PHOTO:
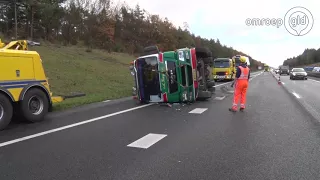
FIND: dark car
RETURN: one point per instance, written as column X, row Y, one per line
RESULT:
column 298, row 73
column 284, row 71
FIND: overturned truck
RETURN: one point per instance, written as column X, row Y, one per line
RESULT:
column 176, row 76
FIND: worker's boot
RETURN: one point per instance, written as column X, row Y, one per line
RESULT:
column 242, row 106
column 232, row 109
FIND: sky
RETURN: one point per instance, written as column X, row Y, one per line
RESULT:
column 226, row 20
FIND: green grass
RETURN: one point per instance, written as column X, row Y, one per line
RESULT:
column 98, row 74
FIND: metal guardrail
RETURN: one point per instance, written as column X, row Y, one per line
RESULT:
column 314, row 74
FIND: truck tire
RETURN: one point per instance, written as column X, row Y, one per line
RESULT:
column 35, row 105
column 203, row 52
column 6, row 111
column 150, row 50
column 207, row 60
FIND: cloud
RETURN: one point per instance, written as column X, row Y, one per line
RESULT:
column 225, row 20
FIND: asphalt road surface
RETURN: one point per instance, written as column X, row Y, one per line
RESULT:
column 305, row 91
column 275, row 138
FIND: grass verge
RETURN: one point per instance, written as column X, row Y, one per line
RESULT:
column 98, row 74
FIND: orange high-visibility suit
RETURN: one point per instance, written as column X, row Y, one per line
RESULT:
column 241, row 86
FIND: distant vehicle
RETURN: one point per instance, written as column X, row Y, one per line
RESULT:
column 276, row 71
column 298, row 73
column 316, row 69
column 308, row 69
column 284, row 70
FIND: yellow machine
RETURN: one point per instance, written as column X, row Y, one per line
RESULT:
column 223, row 69
column 266, row 67
column 24, row 87
column 1, row 44
column 18, row 45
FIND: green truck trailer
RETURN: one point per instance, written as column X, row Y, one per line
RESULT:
column 182, row 75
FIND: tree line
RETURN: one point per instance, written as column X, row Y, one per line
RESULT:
column 100, row 24
column 309, row 56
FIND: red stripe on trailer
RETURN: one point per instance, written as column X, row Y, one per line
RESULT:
column 194, row 65
column 165, row 97
column 160, row 57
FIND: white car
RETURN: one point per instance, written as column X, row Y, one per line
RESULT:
column 298, row 73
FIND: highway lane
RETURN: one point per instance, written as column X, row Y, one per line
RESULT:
column 77, row 115
column 273, row 139
column 306, row 92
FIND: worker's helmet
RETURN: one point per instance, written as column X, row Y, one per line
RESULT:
column 243, row 59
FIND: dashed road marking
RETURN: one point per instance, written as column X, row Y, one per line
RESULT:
column 296, row 95
column 147, row 141
column 313, row 80
column 70, row 126
column 220, row 98
column 198, row 110
column 106, row 101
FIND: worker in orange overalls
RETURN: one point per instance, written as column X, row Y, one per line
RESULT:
column 241, row 85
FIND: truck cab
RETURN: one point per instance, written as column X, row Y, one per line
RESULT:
column 168, row 77
column 223, row 69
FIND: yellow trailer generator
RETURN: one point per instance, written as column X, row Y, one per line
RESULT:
column 223, row 69
column 24, row 87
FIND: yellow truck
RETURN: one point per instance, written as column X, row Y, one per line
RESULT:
column 223, row 69
column 266, row 67
column 24, row 87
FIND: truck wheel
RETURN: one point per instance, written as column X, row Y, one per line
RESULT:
column 6, row 111
column 35, row 105
column 207, row 60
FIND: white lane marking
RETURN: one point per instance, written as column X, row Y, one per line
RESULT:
column 198, row 110
column 253, row 76
column 222, row 84
column 106, row 101
column 296, row 95
column 70, row 126
column 220, row 98
column 146, row 141
column 282, row 83
column 313, row 80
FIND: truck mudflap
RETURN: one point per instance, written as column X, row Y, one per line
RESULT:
column 60, row 98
